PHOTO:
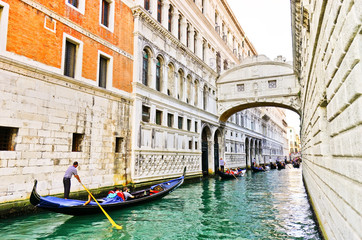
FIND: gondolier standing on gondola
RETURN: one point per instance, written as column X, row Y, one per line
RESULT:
column 222, row 164
column 72, row 170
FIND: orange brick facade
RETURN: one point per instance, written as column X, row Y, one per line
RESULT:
column 28, row 36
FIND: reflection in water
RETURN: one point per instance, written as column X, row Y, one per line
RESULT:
column 266, row 205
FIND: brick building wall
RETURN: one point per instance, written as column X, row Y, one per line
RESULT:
column 54, row 119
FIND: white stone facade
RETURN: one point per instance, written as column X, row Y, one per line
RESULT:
column 327, row 55
column 181, row 47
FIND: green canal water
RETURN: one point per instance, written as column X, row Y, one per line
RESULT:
column 266, row 205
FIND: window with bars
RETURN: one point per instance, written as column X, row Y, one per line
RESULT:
column 180, row 122
column 159, row 11
column 7, row 138
column 74, row 3
column 77, row 142
column 119, row 145
column 145, row 68
column 145, row 113
column 147, row 4
column 170, row 19
column 70, row 59
column 158, row 117
column 170, row 120
column 158, row 75
column 103, row 65
column 105, row 13
column 272, row 83
column 240, row 87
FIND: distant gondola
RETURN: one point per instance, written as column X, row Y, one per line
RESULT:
column 273, row 165
column 225, row 175
column 296, row 164
column 280, row 165
column 77, row 207
column 257, row 169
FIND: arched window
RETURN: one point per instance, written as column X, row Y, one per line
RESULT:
column 145, row 68
column 147, row 4
column 179, row 27
column 188, row 35
column 170, row 18
column 225, row 64
column 158, row 74
column 195, row 42
column 180, row 85
column 159, row 10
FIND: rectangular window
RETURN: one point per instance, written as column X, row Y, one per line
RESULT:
column 77, row 142
column 147, row 4
column 70, row 59
column 105, row 13
column 159, row 10
column 119, row 144
column 103, row 65
column 188, row 124
column 240, row 87
column 158, row 117
column 180, row 122
column 195, row 145
column 190, row 144
column 272, row 83
column 74, row 3
column 145, row 114
column 196, row 127
column 170, row 120
column 7, row 138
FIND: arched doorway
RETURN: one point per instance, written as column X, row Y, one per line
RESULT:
column 205, row 150
column 247, row 153
column 217, row 155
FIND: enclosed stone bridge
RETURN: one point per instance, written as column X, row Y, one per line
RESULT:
column 258, row 82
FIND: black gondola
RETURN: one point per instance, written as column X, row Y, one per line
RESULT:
column 281, row 165
column 77, row 207
column 225, row 175
column 296, row 164
column 257, row 169
column 273, row 165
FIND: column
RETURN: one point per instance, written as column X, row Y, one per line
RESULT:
column 152, row 74
column 183, row 30
column 164, row 82
column 191, row 40
column 199, row 45
column 153, row 8
column 174, row 22
column 164, row 9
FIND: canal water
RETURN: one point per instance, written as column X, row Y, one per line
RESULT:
column 265, row 205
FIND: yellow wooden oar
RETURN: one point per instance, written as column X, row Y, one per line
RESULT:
column 105, row 213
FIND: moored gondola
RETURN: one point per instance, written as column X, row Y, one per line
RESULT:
column 257, row 169
column 229, row 175
column 77, row 207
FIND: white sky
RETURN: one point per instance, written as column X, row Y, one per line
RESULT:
column 267, row 24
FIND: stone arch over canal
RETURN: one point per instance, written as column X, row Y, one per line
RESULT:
column 258, row 82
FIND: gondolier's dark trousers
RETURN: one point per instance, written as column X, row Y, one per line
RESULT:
column 66, row 182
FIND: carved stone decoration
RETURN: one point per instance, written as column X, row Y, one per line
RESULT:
column 161, row 164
